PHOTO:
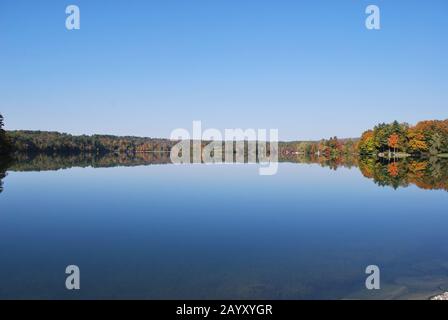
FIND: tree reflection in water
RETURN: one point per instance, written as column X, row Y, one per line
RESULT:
column 5, row 163
column 426, row 173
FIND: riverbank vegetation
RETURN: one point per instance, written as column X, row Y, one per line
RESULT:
column 397, row 140
column 400, row 139
column 328, row 148
column 55, row 142
column 5, row 146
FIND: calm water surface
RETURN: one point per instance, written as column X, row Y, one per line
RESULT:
column 219, row 231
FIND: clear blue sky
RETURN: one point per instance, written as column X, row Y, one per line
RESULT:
column 309, row 68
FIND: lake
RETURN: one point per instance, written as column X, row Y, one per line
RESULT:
column 142, row 228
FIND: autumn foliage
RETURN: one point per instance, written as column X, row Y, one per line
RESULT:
column 426, row 137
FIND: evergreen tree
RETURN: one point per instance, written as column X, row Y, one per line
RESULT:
column 4, row 145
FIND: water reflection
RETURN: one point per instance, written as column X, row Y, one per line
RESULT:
column 425, row 173
column 429, row 174
column 195, row 232
column 5, row 163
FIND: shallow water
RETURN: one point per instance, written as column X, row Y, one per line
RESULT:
column 219, row 231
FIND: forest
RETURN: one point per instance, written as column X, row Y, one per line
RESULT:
column 400, row 139
column 328, row 148
column 4, row 144
column 54, row 142
column 385, row 140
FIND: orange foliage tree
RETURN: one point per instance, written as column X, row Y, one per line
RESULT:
column 393, row 141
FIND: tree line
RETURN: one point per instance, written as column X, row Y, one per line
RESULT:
column 4, row 144
column 425, row 138
column 55, row 142
column 326, row 148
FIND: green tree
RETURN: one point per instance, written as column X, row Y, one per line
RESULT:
column 3, row 141
column 436, row 144
column 366, row 145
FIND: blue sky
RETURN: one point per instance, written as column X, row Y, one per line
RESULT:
column 309, row 68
